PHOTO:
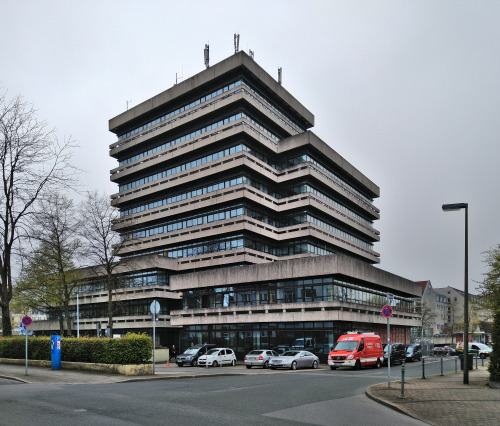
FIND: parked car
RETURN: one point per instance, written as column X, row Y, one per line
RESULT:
column 444, row 350
column 477, row 349
column 217, row 357
column 398, row 353
column 259, row 358
column 294, row 360
column 190, row 356
column 413, row 352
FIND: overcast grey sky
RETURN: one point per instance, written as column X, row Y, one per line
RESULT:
column 406, row 91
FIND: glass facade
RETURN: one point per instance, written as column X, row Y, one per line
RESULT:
column 292, row 291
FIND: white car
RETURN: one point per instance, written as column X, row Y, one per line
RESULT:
column 217, row 357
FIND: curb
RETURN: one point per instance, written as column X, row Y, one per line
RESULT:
column 17, row 379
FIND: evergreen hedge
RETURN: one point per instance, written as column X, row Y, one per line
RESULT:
column 494, row 365
column 130, row 349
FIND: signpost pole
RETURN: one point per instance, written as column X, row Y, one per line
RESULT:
column 155, row 310
column 154, row 341
column 26, row 321
column 389, row 352
column 26, row 360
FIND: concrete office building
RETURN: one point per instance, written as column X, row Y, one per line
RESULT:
column 247, row 228
column 265, row 231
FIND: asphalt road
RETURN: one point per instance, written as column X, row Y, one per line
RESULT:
column 320, row 397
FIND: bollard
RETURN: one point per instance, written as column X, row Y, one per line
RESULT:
column 476, row 363
column 402, row 380
column 456, row 360
column 423, row 368
column 442, row 366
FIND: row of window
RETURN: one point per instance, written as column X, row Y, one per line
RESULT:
column 138, row 279
column 182, row 138
column 180, row 110
column 307, row 158
column 183, row 196
column 128, row 308
column 245, row 86
column 292, row 291
column 224, row 214
column 237, row 242
column 301, row 189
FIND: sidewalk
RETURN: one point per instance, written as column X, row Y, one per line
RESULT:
column 444, row 400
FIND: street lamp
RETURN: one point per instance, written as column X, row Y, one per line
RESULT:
column 453, row 207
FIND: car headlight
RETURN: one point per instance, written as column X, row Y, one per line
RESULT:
column 350, row 357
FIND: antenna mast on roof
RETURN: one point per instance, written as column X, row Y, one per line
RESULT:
column 206, row 54
column 236, row 43
column 280, row 75
column 250, row 51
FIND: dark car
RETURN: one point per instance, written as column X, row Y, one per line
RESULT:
column 413, row 352
column 190, row 356
column 398, row 353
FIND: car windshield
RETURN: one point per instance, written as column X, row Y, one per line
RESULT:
column 255, row 352
column 346, row 346
column 213, row 351
column 290, row 353
column 190, row 351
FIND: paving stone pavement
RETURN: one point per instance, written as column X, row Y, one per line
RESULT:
column 444, row 400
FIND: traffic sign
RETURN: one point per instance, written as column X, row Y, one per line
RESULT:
column 26, row 321
column 386, row 311
column 154, row 307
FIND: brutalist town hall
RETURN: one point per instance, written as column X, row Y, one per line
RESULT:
column 248, row 229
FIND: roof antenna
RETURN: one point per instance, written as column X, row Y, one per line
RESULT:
column 177, row 78
column 280, row 75
column 236, row 43
column 250, row 51
column 206, row 54
column 129, row 102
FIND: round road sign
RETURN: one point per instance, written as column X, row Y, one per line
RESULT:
column 154, row 307
column 26, row 321
column 387, row 311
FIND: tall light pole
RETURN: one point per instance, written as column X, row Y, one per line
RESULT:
column 453, row 207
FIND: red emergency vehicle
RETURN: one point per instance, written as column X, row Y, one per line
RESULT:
column 356, row 350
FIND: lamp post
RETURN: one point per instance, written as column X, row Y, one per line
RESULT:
column 453, row 207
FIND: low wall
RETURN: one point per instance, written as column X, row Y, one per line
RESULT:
column 126, row 370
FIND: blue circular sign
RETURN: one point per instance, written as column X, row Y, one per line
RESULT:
column 26, row 321
column 387, row 311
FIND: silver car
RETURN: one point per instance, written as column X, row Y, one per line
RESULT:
column 259, row 358
column 294, row 360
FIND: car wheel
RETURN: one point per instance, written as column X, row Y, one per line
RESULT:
column 249, row 367
column 194, row 363
column 315, row 364
column 215, row 364
column 180, row 364
column 377, row 364
column 482, row 356
column 357, row 366
column 266, row 364
column 293, row 366
column 233, row 362
column 333, row 368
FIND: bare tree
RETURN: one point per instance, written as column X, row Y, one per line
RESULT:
column 101, row 244
column 428, row 318
column 31, row 161
column 49, row 277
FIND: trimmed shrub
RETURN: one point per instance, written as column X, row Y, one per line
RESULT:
column 130, row 349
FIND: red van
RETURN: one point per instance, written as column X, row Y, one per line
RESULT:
column 357, row 350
